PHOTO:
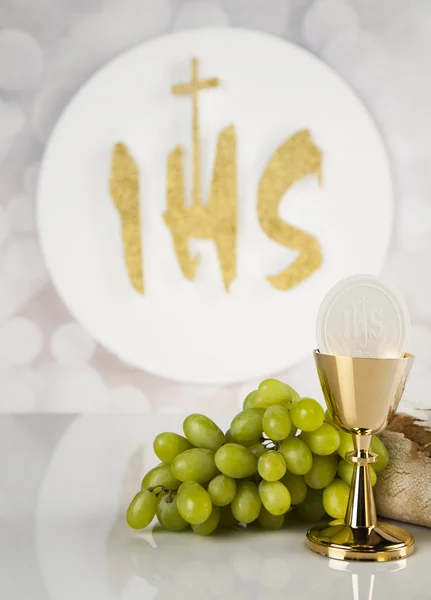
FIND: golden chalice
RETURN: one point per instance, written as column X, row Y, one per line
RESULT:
column 362, row 394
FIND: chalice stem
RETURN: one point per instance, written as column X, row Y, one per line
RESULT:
column 361, row 510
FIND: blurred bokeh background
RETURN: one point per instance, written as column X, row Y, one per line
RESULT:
column 48, row 48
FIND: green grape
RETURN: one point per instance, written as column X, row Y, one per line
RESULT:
column 328, row 418
column 276, row 422
column 236, row 461
column 246, row 427
column 275, row 497
column 295, row 395
column 141, row 510
column 228, row 437
column 345, row 472
column 335, row 499
column 196, row 464
column 271, row 466
column 274, row 391
column 322, row 441
column 378, row 447
column 252, row 400
column 227, row 520
column 346, row 444
column 312, row 508
column 258, row 449
column 269, row 521
column 246, row 504
column 167, row 445
column 193, row 503
column 296, row 486
column 297, row 455
column 222, row 490
column 322, row 472
column 202, row 432
column 210, row 525
column 168, row 515
column 307, row 414
column 160, row 475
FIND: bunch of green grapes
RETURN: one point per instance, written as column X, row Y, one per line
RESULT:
column 279, row 454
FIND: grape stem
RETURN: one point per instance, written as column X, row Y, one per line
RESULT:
column 269, row 444
column 162, row 489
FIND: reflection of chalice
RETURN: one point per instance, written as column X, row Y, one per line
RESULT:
column 362, row 395
column 363, row 577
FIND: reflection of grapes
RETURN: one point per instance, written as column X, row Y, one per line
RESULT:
column 278, row 455
column 275, row 573
column 145, row 561
column 258, row 564
column 222, row 580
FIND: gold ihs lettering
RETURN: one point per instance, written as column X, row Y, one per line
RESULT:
column 124, row 188
column 292, row 161
column 215, row 220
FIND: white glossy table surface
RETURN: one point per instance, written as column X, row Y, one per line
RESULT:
column 65, row 485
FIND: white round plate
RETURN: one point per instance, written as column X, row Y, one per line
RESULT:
column 195, row 331
column 363, row 317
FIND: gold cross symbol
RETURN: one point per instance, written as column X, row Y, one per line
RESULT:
column 193, row 88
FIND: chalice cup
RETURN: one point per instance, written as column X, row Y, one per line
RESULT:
column 361, row 394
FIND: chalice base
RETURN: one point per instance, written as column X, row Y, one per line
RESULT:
column 382, row 543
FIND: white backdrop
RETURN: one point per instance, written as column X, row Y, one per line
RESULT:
column 50, row 47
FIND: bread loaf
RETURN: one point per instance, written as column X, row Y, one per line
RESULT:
column 403, row 489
